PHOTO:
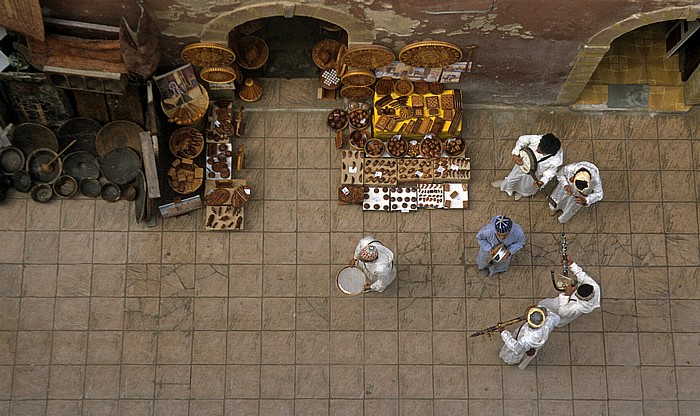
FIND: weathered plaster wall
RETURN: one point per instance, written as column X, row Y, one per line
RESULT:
column 526, row 48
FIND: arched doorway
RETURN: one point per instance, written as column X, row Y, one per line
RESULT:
column 217, row 30
column 290, row 43
column 599, row 45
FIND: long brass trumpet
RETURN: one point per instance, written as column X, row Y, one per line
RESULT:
column 488, row 331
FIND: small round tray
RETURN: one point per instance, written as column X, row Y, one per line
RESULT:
column 403, row 87
column 186, row 142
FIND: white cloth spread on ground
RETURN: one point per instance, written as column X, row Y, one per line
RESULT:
column 380, row 272
column 567, row 203
column 571, row 307
column 514, row 349
column 522, row 183
column 487, row 239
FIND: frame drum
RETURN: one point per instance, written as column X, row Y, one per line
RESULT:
column 529, row 160
column 351, row 280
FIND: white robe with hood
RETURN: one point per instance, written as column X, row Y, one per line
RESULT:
column 566, row 203
column 522, row 183
column 514, row 348
column 380, row 272
column 571, row 307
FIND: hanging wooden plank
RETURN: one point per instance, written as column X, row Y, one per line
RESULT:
column 127, row 106
column 91, row 105
column 149, row 165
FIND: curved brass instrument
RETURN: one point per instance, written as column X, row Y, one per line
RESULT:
column 562, row 281
column 488, row 331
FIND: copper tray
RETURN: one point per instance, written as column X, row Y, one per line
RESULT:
column 430, row 54
column 368, row 56
column 118, row 134
column 208, row 54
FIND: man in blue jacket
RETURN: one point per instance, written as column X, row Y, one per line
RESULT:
column 498, row 241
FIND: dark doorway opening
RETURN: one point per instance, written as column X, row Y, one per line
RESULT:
column 290, row 42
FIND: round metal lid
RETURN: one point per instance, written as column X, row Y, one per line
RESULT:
column 118, row 134
column 40, row 167
column 31, row 136
column 82, row 129
column 11, row 159
column 120, row 165
column 81, row 165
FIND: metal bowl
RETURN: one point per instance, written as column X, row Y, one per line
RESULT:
column 21, row 181
column 65, row 186
column 110, row 192
column 90, row 187
column 42, row 193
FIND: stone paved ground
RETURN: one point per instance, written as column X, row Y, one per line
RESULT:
column 99, row 315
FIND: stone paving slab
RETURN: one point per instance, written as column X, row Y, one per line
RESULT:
column 101, row 315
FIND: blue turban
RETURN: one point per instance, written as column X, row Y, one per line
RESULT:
column 503, row 224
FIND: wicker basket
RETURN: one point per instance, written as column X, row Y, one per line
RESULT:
column 253, row 53
column 325, row 53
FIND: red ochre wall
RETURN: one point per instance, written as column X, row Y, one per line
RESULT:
column 526, row 48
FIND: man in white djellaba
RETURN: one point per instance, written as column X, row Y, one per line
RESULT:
column 529, row 338
column 549, row 156
column 576, row 300
column 376, row 261
column 579, row 186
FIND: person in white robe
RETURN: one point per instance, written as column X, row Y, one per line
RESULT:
column 376, row 261
column 500, row 229
column 549, row 155
column 576, row 300
column 522, row 347
column 579, row 186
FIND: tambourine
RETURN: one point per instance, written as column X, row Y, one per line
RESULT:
column 351, row 280
column 499, row 254
column 529, row 160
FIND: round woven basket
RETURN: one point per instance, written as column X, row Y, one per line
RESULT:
column 325, row 53
column 253, row 53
